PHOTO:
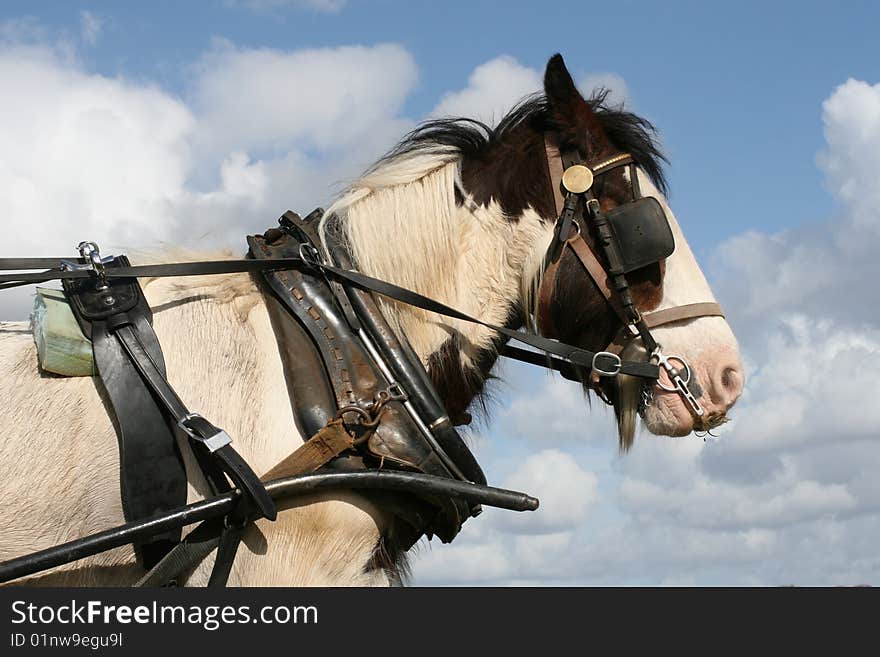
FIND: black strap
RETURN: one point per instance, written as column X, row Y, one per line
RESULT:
column 151, row 473
column 576, row 355
column 152, row 476
column 144, row 271
column 227, row 548
column 186, row 555
column 197, row 427
column 566, row 369
column 37, row 263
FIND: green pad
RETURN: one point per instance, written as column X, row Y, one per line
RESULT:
column 61, row 346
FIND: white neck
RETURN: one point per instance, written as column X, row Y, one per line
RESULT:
column 404, row 226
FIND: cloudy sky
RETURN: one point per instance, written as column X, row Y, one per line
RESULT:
column 205, row 122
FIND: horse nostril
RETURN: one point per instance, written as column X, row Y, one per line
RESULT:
column 731, row 383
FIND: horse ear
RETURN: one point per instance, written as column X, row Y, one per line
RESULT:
column 570, row 115
column 558, row 85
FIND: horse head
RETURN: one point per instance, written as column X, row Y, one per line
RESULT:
column 585, row 317
column 466, row 214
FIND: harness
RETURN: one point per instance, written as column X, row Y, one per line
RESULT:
column 357, row 388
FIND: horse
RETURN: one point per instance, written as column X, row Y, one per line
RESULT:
column 458, row 211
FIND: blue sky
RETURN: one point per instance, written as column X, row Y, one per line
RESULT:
column 770, row 116
column 734, row 87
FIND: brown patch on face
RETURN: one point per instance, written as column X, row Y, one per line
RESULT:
column 513, row 173
column 578, row 308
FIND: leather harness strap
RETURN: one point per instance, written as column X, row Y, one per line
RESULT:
column 554, row 169
column 597, row 272
column 545, row 298
column 666, row 316
column 328, row 443
column 679, row 313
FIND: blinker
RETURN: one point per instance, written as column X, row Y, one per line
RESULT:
column 642, row 232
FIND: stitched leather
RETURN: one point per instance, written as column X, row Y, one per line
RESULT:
column 152, row 475
column 352, row 377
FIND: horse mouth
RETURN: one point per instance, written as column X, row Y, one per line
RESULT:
column 711, row 421
column 701, row 424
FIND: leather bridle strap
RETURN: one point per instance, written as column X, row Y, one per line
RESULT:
column 680, row 313
column 577, row 180
column 575, row 355
column 554, row 170
column 666, row 316
column 597, row 272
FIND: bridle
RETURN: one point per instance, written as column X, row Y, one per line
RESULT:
column 631, row 236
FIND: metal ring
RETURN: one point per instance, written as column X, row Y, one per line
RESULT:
column 352, row 409
column 309, row 254
column 92, row 255
column 686, row 370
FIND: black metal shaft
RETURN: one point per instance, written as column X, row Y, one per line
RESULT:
column 278, row 489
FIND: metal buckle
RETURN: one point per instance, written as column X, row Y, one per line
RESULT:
column 213, row 443
column 616, row 364
column 90, row 252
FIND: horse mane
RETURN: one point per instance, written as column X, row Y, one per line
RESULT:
column 438, row 142
column 471, row 138
column 414, row 197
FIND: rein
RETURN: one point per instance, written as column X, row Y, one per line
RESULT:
column 60, row 269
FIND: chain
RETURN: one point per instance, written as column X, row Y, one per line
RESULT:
column 371, row 413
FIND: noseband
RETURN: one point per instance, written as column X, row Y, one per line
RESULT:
column 631, row 236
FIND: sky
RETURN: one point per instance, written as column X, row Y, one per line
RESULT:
column 199, row 122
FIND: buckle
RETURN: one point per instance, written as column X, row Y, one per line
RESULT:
column 213, row 443
column 310, row 255
column 94, row 262
column 615, row 364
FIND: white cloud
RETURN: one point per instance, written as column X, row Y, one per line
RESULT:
column 90, row 27
column 821, row 270
column 129, row 165
column 327, row 99
column 566, row 491
column 493, row 88
column 553, row 411
column 83, row 155
column 852, row 131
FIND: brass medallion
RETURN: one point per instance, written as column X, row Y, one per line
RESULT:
column 577, row 179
